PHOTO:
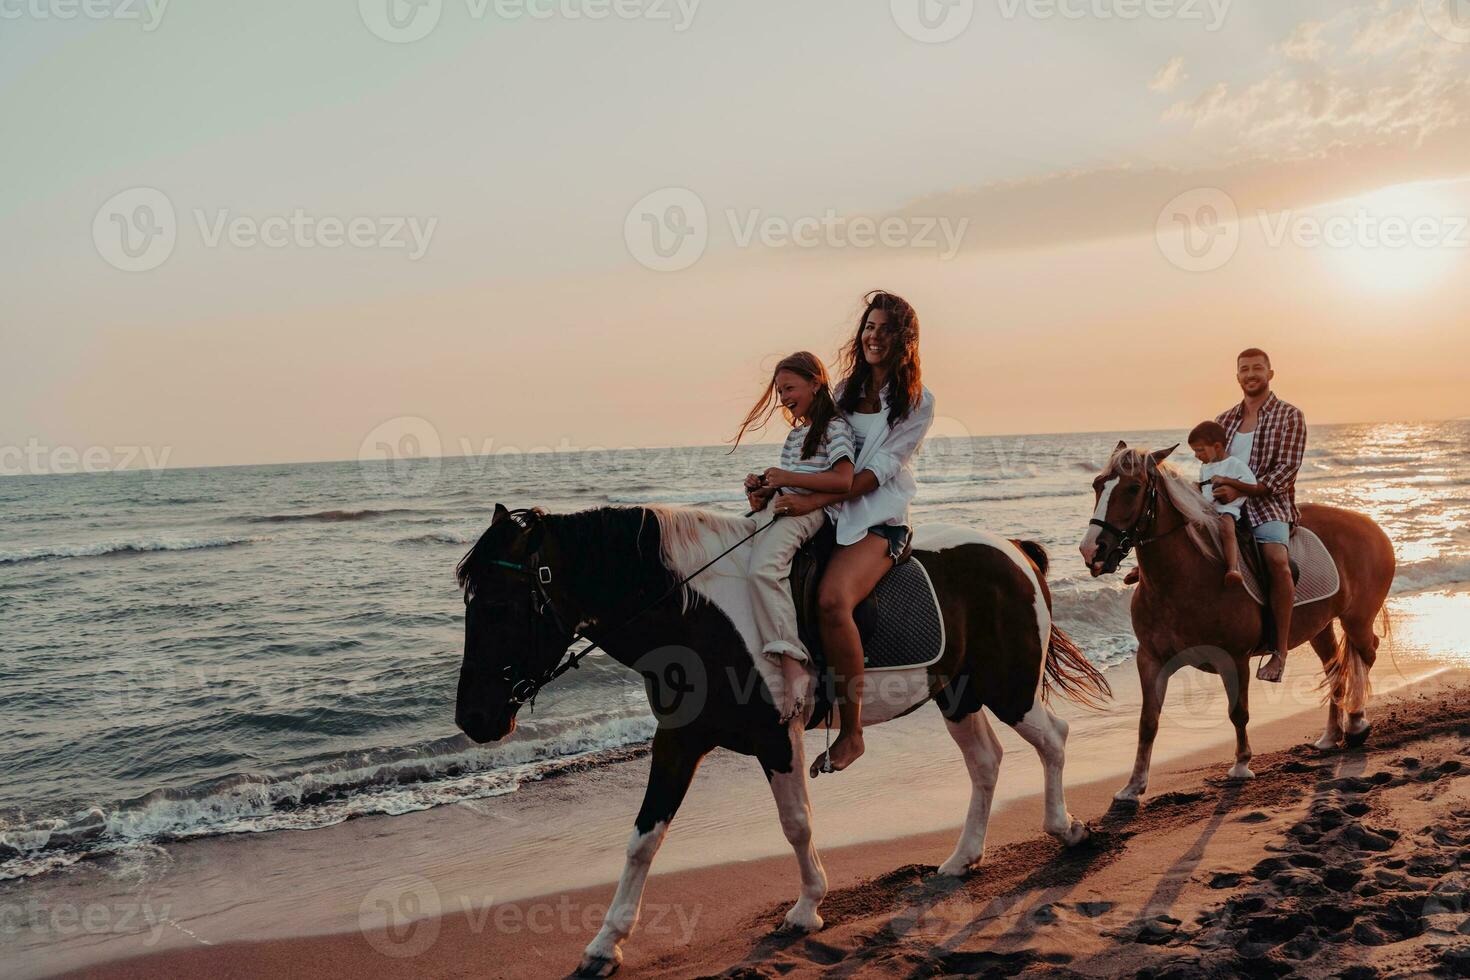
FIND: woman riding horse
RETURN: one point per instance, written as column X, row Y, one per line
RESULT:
column 890, row 411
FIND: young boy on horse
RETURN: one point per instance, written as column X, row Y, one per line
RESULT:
column 1208, row 441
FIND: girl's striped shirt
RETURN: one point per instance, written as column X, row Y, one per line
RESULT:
column 838, row 443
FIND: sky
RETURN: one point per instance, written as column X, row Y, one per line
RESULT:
column 278, row 231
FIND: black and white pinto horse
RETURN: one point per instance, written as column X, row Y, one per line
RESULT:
column 533, row 580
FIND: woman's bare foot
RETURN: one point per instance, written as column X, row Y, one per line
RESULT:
column 843, row 753
column 1272, row 669
column 1233, row 577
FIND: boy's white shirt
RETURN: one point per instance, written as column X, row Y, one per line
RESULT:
column 1234, row 468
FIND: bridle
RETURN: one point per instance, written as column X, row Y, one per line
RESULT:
column 1126, row 540
column 542, row 611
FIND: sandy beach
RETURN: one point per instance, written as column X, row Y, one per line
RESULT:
column 1327, row 861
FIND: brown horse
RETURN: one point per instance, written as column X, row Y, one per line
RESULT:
column 1185, row 615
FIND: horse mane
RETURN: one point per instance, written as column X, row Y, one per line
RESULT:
column 1202, row 524
column 687, row 539
column 690, row 537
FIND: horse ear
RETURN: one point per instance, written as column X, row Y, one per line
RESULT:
column 1120, row 446
column 500, row 514
column 1162, row 454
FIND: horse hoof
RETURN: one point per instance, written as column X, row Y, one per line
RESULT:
column 1355, row 740
column 954, row 868
column 1128, row 794
column 798, row 921
column 1325, row 744
column 1076, row 834
column 1240, row 771
column 600, row 966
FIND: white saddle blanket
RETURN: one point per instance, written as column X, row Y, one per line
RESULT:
column 1319, row 579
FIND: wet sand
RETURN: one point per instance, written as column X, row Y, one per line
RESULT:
column 1325, row 860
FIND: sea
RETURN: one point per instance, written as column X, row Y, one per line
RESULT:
column 197, row 652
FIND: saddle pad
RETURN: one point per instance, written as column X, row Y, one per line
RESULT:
column 1319, row 579
column 909, row 630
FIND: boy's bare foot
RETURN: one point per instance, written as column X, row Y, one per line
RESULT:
column 1233, row 577
column 1272, row 669
column 844, row 752
column 1131, row 578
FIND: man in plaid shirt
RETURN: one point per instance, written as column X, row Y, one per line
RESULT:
column 1271, row 437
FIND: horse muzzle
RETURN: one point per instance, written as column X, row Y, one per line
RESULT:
column 483, row 725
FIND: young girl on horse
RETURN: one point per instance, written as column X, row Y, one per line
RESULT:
column 817, row 458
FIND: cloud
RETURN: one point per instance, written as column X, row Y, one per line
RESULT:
column 1169, row 76
column 1305, row 42
column 1396, row 80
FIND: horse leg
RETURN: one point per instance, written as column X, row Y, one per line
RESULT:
column 982, row 752
column 789, row 789
column 673, row 764
column 1325, row 643
column 1154, row 683
column 1240, row 715
column 1361, row 650
column 1048, row 735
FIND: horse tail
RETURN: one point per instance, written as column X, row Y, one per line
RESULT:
column 1070, row 673
column 1346, row 676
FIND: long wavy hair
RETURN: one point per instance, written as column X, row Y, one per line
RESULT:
column 819, row 416
column 904, row 387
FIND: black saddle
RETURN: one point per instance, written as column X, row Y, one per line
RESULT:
column 806, row 575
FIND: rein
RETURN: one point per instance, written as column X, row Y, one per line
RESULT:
column 524, row 691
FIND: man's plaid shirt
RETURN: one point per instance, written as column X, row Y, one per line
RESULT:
column 1276, row 455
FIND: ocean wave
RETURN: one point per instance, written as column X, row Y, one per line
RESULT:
column 444, row 537
column 680, row 497
column 448, row 770
column 329, row 516
column 96, row 549
column 1431, row 574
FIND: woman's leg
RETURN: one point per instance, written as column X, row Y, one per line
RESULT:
column 853, row 573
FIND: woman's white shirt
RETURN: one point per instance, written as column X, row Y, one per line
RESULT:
column 887, row 451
